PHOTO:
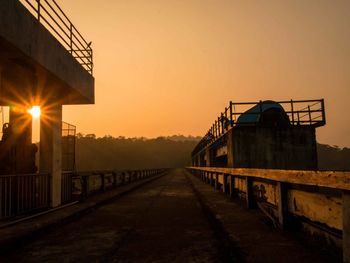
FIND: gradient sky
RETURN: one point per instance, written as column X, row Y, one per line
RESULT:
column 166, row 67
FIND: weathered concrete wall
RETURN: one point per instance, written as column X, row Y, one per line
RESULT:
column 283, row 148
column 319, row 212
column 29, row 51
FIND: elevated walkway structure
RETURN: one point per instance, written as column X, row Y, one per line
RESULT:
column 42, row 54
column 44, row 61
column 264, row 134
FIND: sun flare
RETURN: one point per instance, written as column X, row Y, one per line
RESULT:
column 35, row 111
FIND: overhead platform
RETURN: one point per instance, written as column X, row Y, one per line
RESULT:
column 36, row 66
column 44, row 61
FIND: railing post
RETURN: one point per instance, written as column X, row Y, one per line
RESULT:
column 346, row 226
column 48, row 187
column 292, row 110
column 232, row 185
column 282, row 204
column 123, row 178
column 216, row 185
column 222, row 123
column 310, row 119
column 114, row 174
column 211, row 179
column 224, row 183
column 249, row 192
column 103, row 184
column 323, row 112
column 85, row 186
column 231, row 122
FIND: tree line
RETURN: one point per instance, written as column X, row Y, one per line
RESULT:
column 109, row 152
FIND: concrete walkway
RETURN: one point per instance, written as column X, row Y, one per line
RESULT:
column 176, row 218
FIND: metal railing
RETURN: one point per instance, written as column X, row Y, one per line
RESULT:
column 66, row 187
column 52, row 17
column 68, row 147
column 320, row 199
column 23, row 193
column 298, row 113
column 26, row 193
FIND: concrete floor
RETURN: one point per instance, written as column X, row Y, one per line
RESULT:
column 160, row 222
column 176, row 218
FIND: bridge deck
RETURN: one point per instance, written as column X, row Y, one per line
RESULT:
column 169, row 220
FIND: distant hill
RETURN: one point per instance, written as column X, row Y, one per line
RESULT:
column 108, row 152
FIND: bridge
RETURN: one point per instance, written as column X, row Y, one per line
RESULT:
column 252, row 193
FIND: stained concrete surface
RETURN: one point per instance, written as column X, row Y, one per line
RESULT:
column 254, row 235
column 160, row 222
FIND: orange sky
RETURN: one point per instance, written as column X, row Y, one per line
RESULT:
column 166, row 67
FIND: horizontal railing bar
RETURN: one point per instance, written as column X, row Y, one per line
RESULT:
column 295, row 111
column 283, row 101
column 55, row 30
column 16, row 175
column 68, row 27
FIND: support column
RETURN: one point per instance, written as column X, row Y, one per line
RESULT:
column 51, row 149
column 346, row 226
column 224, row 184
column 249, row 192
column 232, row 185
column 282, row 204
column 208, row 157
column 230, row 149
column 216, row 184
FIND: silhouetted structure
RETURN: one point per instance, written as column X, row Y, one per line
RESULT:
column 264, row 134
column 44, row 61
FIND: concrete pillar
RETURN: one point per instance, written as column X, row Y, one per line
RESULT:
column 216, row 184
column 208, row 157
column 51, row 149
column 282, row 204
column 346, row 226
column 230, row 149
column 232, row 185
column 224, row 184
column 249, row 192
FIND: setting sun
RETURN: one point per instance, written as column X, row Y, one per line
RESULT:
column 35, row 111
